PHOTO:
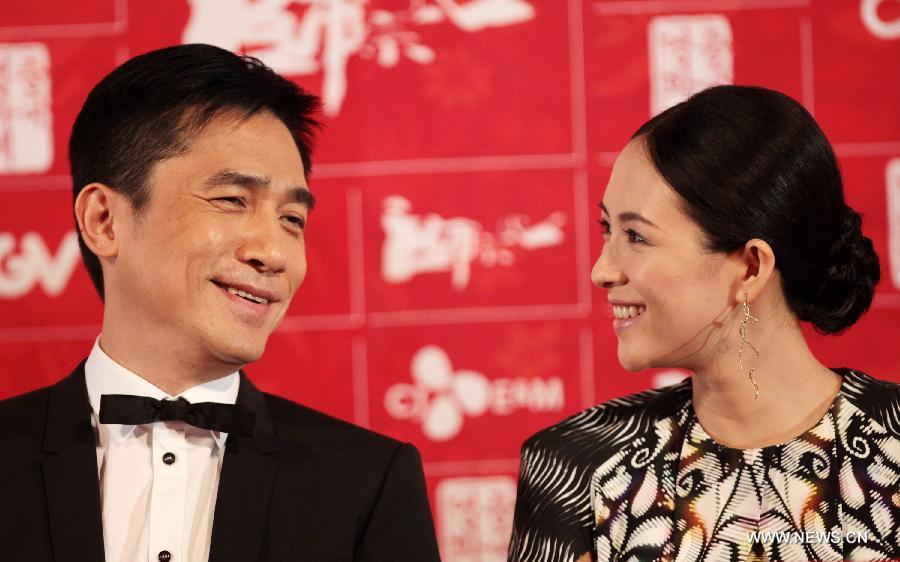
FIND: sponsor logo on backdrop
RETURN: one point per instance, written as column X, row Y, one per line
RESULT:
column 893, row 210
column 441, row 397
column 474, row 518
column 879, row 27
column 35, row 265
column 26, row 119
column 417, row 244
column 688, row 54
column 300, row 37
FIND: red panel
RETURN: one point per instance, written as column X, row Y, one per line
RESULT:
column 856, row 90
column 312, row 368
column 42, row 281
column 470, row 240
column 29, row 364
column 33, row 14
column 327, row 287
column 76, row 64
column 459, row 401
column 619, row 51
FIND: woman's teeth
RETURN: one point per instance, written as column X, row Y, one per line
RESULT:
column 628, row 311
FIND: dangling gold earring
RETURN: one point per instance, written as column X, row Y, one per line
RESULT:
column 744, row 321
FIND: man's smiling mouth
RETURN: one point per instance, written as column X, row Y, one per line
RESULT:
column 246, row 295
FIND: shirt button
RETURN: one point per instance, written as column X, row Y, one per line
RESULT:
column 168, row 458
column 164, row 555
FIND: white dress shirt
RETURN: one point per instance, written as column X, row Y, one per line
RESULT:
column 151, row 505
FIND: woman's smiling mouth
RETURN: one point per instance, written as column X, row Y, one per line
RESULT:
column 626, row 315
column 628, row 311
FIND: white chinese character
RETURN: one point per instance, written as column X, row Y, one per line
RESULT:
column 26, row 120
column 415, row 244
column 475, row 517
column 300, row 37
column 688, row 54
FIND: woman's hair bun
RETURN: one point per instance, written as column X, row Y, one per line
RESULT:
column 748, row 163
column 848, row 285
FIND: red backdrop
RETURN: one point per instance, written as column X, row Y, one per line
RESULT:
column 468, row 142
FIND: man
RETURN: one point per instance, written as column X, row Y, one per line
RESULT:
column 189, row 167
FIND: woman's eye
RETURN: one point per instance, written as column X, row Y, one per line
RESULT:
column 604, row 226
column 634, row 237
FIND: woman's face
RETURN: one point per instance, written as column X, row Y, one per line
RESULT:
column 671, row 298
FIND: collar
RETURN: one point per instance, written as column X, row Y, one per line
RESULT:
column 103, row 375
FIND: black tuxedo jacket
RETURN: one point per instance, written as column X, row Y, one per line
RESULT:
column 305, row 487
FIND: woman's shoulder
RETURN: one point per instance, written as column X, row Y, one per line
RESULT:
column 878, row 399
column 608, row 424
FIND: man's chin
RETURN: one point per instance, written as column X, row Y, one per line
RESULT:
column 239, row 355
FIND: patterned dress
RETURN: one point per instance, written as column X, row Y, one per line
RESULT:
column 638, row 479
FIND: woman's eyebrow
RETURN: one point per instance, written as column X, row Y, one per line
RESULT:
column 630, row 216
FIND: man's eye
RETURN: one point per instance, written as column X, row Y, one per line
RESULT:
column 634, row 237
column 231, row 200
column 295, row 220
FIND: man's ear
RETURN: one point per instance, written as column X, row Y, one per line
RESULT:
column 96, row 208
column 758, row 262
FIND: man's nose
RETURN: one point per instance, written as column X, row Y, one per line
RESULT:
column 263, row 244
column 606, row 274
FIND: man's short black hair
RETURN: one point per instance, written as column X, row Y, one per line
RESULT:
column 149, row 108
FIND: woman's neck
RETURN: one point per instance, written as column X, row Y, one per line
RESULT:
column 795, row 390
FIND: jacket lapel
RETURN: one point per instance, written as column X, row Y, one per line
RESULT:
column 245, row 485
column 70, row 473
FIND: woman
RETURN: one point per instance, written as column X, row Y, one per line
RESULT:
column 725, row 226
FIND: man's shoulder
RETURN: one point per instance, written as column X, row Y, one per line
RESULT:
column 325, row 434
column 597, row 430
column 26, row 402
column 22, row 417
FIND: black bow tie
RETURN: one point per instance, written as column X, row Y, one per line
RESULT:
column 137, row 410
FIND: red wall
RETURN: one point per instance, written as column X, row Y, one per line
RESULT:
column 468, row 142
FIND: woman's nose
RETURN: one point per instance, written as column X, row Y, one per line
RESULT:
column 604, row 273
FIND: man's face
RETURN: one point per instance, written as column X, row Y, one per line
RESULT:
column 212, row 261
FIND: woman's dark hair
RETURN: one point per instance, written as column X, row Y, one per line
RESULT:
column 149, row 108
column 752, row 163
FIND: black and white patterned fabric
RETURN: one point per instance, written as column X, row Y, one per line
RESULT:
column 638, row 479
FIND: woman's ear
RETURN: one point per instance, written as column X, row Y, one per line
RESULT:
column 95, row 211
column 758, row 262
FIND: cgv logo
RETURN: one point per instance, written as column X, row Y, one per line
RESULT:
column 878, row 26
column 441, row 398
column 35, row 265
